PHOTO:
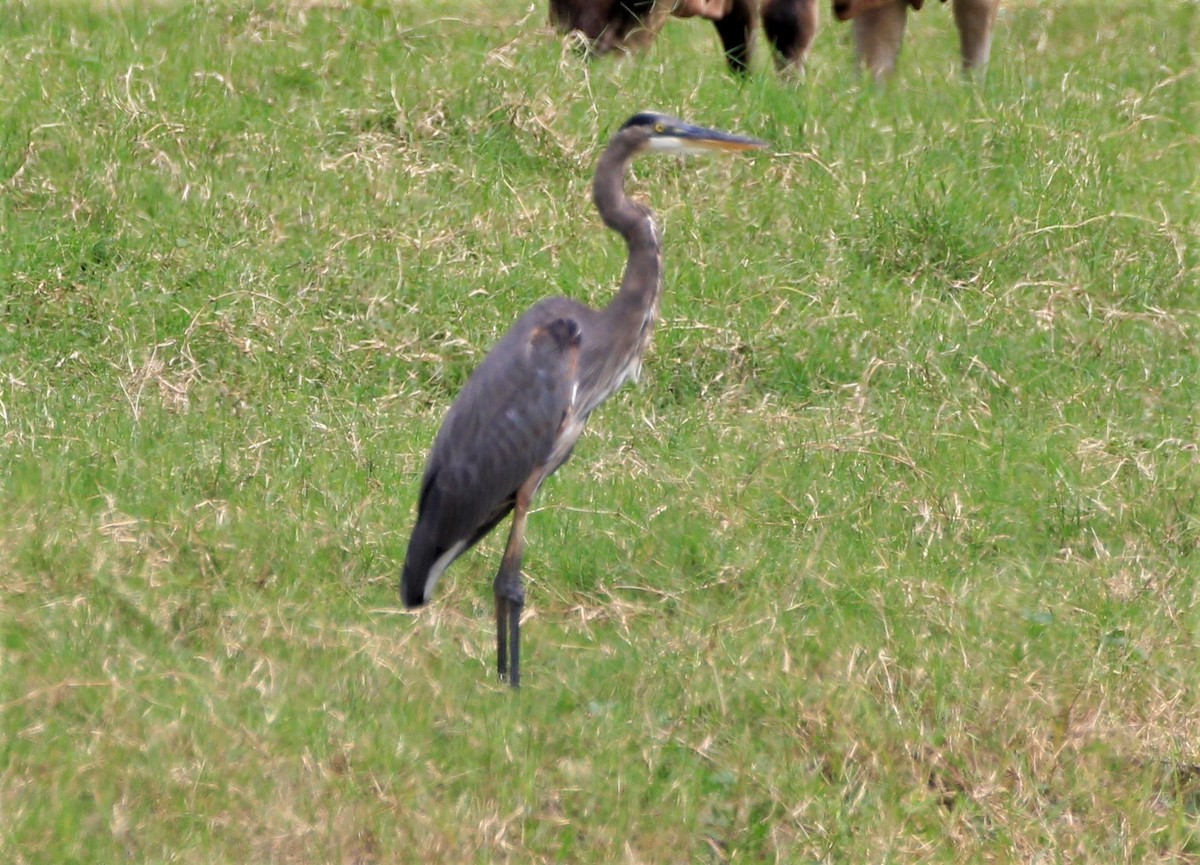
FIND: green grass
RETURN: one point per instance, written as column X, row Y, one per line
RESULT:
column 892, row 557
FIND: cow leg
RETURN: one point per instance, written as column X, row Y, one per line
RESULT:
column 791, row 25
column 877, row 37
column 976, row 20
column 736, row 30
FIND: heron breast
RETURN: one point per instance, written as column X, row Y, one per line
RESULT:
column 632, row 371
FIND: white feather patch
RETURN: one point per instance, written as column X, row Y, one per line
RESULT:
column 439, row 568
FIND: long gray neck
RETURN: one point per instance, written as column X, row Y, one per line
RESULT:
column 642, row 282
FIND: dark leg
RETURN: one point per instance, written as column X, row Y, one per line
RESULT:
column 510, row 590
column 736, row 30
column 510, row 599
column 501, row 634
column 791, row 26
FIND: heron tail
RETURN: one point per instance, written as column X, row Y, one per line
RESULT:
column 412, row 588
column 427, row 558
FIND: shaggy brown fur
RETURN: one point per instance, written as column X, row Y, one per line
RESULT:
column 618, row 25
column 790, row 26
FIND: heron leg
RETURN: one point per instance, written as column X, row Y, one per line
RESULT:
column 509, row 589
column 501, row 635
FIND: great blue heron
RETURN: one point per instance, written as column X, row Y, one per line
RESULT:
column 520, row 413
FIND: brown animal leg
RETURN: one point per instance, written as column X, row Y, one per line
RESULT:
column 976, row 20
column 791, row 25
column 844, row 10
column 736, row 30
column 877, row 37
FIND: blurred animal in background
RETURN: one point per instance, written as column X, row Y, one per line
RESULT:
column 621, row 25
column 790, row 25
column 879, row 29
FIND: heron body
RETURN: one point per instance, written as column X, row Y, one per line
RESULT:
column 523, row 408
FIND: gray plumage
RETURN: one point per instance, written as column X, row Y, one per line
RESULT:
column 523, row 408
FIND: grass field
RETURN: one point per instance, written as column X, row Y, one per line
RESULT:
column 893, row 556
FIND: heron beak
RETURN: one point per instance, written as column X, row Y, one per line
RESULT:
column 685, row 138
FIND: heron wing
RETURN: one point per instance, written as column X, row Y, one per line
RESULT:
column 500, row 430
column 504, row 424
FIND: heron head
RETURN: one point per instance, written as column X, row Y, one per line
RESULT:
column 664, row 134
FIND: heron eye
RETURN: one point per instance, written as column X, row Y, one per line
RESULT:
column 660, row 127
